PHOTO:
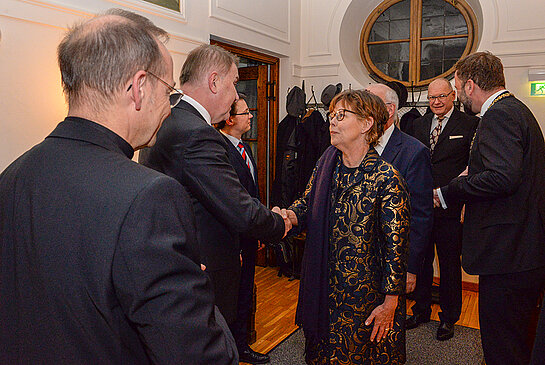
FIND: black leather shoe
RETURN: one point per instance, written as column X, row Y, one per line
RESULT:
column 445, row 331
column 415, row 320
column 251, row 357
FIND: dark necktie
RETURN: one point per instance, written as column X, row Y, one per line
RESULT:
column 244, row 155
column 434, row 136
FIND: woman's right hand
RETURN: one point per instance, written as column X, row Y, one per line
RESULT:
column 383, row 318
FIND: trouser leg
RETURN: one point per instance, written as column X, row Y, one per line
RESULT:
column 507, row 303
column 448, row 240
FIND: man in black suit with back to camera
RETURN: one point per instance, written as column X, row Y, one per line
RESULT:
column 504, row 193
column 242, row 159
column 447, row 132
column 98, row 254
column 189, row 149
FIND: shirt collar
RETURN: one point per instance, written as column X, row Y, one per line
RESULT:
column 201, row 109
column 86, row 130
column 383, row 140
column 490, row 100
column 234, row 140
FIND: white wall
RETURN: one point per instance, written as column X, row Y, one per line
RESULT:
column 31, row 100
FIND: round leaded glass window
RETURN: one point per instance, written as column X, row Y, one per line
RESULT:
column 416, row 41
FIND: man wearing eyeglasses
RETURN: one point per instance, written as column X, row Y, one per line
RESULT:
column 99, row 259
column 412, row 159
column 189, row 149
column 447, row 132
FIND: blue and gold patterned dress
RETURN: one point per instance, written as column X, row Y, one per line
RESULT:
column 367, row 259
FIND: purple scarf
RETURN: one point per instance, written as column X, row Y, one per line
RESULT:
column 312, row 307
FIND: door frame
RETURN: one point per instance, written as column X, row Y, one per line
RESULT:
column 272, row 96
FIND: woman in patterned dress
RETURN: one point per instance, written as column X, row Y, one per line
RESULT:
column 356, row 211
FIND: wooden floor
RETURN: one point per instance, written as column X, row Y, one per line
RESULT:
column 277, row 300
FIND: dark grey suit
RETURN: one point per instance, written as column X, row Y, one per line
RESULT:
column 248, row 247
column 504, row 235
column 99, row 258
column 195, row 154
column 448, row 160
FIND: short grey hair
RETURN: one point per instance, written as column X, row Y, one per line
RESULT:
column 391, row 96
column 203, row 60
column 102, row 54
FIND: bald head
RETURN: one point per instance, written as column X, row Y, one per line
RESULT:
column 441, row 97
column 98, row 57
column 389, row 97
column 440, row 83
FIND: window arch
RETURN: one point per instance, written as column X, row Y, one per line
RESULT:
column 417, row 41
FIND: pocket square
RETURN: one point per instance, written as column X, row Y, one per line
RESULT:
column 455, row 137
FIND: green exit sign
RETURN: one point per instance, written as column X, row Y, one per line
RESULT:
column 537, row 88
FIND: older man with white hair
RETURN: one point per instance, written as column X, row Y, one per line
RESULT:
column 412, row 159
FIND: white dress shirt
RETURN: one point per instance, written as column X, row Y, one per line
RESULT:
column 383, row 140
column 195, row 104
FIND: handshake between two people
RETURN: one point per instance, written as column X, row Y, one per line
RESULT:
column 290, row 219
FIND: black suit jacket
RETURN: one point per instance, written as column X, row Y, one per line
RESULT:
column 242, row 170
column 412, row 159
column 195, row 154
column 98, row 259
column 504, row 193
column 246, row 179
column 451, row 154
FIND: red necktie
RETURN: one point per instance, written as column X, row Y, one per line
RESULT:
column 243, row 153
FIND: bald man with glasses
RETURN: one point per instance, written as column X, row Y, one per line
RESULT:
column 447, row 132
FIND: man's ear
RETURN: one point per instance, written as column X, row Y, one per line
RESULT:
column 135, row 90
column 469, row 87
column 229, row 121
column 391, row 110
column 213, row 80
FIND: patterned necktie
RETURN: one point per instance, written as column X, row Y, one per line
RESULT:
column 434, row 136
column 243, row 153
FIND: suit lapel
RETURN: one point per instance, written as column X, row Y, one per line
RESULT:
column 238, row 157
column 426, row 129
column 393, row 146
column 452, row 124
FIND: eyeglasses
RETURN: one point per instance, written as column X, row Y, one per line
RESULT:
column 173, row 91
column 245, row 113
column 441, row 97
column 339, row 115
column 176, row 100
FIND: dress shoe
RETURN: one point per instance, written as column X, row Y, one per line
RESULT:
column 251, row 357
column 445, row 331
column 415, row 320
